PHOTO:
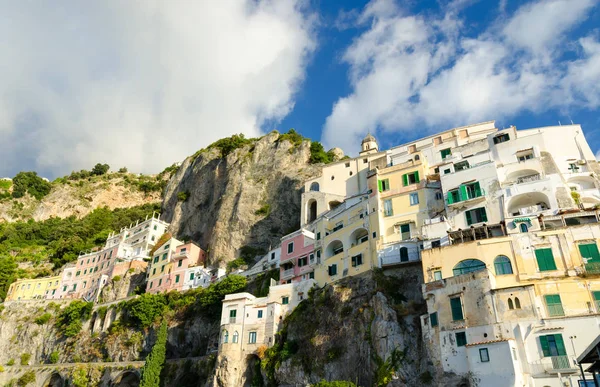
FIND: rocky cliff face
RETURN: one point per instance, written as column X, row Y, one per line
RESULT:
column 251, row 197
column 78, row 198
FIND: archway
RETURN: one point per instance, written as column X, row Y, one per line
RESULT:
column 528, row 203
column 54, row 380
column 335, row 247
column 312, row 210
column 314, row 187
column 468, row 266
column 333, row 204
column 523, row 176
column 127, row 379
column 358, row 236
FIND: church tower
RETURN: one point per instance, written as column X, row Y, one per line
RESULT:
column 369, row 145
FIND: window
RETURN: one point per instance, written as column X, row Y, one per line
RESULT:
column 191, row 276
column 554, row 305
column 153, row 271
column 437, row 275
column 251, row 337
column 332, row 270
column 235, row 337
column 384, row 185
column 177, row 279
column 589, row 253
column 180, row 263
column 225, row 337
column 471, row 191
column 290, row 248
column 388, row 209
column 596, row 296
column 517, row 303
column 156, row 259
column 477, row 215
column 260, row 314
column 410, row 178
column 510, row 304
column 468, row 266
column 453, row 196
column 456, row 306
column 414, row 198
column 461, row 166
column 523, row 227
column 338, row 249
column 162, row 269
column 77, row 274
column 164, row 256
column 318, row 238
column 446, row 152
column 553, row 345
column 502, row 265
column 365, row 161
column 363, row 239
column 357, row 260
column 484, row 356
column 501, row 138
column 338, row 226
column 311, row 275
column 439, row 196
column 272, row 256
column 302, row 261
column 85, row 272
column 447, row 171
column 525, row 156
column 160, row 282
column 437, row 243
column 151, row 284
column 405, row 231
column 65, row 288
column 285, row 300
column 167, row 247
column 232, row 316
column 403, row 254
column 461, row 339
column 433, row 319
column 545, row 259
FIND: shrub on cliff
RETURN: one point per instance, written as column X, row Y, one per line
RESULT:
column 155, row 360
column 27, row 378
column 318, row 154
column 335, row 383
column 30, row 182
column 100, row 169
column 144, row 310
column 229, row 144
column 70, row 320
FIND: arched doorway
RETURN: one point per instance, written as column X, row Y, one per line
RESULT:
column 127, row 379
column 55, row 380
column 312, row 210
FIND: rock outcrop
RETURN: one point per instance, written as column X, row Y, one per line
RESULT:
column 251, row 197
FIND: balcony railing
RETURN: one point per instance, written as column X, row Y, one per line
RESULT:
column 232, row 320
column 288, row 273
column 528, row 179
column 553, row 364
column 471, row 194
column 592, row 268
column 561, row 363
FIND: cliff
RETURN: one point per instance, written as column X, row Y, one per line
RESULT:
column 249, row 197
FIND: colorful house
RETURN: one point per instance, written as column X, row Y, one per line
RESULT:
column 33, row 289
column 297, row 253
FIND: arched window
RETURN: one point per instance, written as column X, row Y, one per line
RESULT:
column 517, row 303
column 225, row 337
column 468, row 266
column 510, row 304
column 417, row 158
column 314, row 187
column 403, row 254
column 502, row 265
column 235, row 337
column 523, row 227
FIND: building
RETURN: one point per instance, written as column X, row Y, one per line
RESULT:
column 34, row 289
column 159, row 278
column 269, row 261
column 297, row 252
column 186, row 258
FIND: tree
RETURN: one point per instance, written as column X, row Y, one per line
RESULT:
column 30, row 182
column 70, row 319
column 155, row 360
column 318, row 154
column 144, row 310
column 123, row 170
column 7, row 274
column 100, row 169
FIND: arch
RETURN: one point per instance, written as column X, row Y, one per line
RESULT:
column 582, row 182
column 333, row 204
column 517, row 303
column 335, row 247
column 358, row 236
column 510, row 304
column 54, row 380
column 468, row 266
column 312, row 210
column 417, row 157
column 515, row 176
column 128, row 378
column 225, row 336
column 314, row 187
column 528, row 203
column 523, row 227
column 502, row 265
column 235, row 337
column 403, row 254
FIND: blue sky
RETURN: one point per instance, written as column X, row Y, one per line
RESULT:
column 144, row 84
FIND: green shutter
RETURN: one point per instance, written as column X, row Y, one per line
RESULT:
column 417, row 176
column 596, row 295
column 379, row 185
column 433, row 317
column 477, row 189
column 456, row 307
column 469, row 219
column 560, row 345
column 545, row 259
column 463, row 192
column 544, row 345
column 590, row 251
column 483, row 214
column 450, row 197
column 405, row 180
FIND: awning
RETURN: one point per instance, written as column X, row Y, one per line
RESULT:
column 521, row 220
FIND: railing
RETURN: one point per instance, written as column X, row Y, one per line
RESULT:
column 471, row 194
column 561, row 362
column 232, row 320
column 528, row 179
column 553, row 364
column 288, row 273
column 592, row 268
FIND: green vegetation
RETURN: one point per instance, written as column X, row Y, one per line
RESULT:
column 80, row 377
column 100, row 169
column 247, row 256
column 43, row 319
column 229, row 144
column 30, row 182
column 318, row 154
column 143, row 311
column 8, row 269
column 386, row 369
column 25, row 357
column 10, row 362
column 183, row 196
column 4, row 189
column 70, row 319
column 335, row 383
column 54, row 357
column 264, row 210
column 116, row 278
column 27, row 378
column 155, row 360
column 123, row 170
column 293, row 137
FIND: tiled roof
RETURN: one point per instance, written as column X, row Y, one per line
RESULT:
column 486, row 342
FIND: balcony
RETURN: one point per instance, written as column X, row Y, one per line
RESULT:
column 289, row 273
column 232, row 320
column 467, row 196
column 553, row 365
column 592, row 268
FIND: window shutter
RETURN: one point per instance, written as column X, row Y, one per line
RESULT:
column 463, row 192
column 405, row 180
column 544, row 345
column 560, row 345
column 353, row 261
column 456, row 307
column 379, row 185
column 450, row 197
column 477, row 188
column 469, row 219
column 417, row 176
column 483, row 214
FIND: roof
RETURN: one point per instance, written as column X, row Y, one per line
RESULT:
column 590, row 354
column 486, row 342
column 368, row 138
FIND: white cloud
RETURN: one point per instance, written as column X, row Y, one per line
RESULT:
column 421, row 73
column 142, row 84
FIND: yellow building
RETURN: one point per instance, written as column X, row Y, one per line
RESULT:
column 344, row 245
column 530, row 301
column 30, row 289
column 403, row 198
column 161, row 266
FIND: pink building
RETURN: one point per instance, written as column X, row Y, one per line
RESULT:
column 186, row 256
column 297, row 252
column 168, row 266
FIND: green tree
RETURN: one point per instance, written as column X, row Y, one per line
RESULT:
column 70, row 320
column 54, row 357
column 318, row 154
column 26, row 379
column 100, row 169
column 144, row 310
column 8, row 268
column 155, row 360
column 30, row 182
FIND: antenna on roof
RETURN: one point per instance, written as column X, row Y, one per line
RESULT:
column 572, row 122
column 559, row 123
